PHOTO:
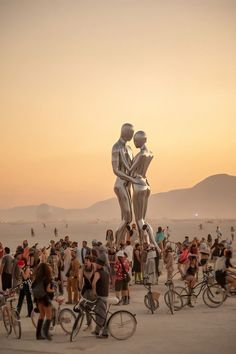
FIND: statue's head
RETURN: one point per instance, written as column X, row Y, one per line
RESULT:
column 140, row 138
column 127, row 131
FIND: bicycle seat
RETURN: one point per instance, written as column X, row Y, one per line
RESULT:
column 112, row 300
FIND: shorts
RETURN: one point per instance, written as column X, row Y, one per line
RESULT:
column 121, row 285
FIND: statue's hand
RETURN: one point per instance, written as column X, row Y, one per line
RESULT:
column 140, row 180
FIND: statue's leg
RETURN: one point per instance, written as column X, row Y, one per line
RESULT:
column 151, row 234
column 138, row 203
column 145, row 205
column 122, row 193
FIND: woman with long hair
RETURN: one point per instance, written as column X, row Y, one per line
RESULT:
column 43, row 292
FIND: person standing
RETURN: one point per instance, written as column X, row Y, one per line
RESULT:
column 73, row 279
column 25, row 290
column 85, row 251
column 26, row 250
column 6, row 269
column 150, row 268
column 43, row 278
column 169, row 262
column 121, row 267
column 100, row 290
column 137, row 264
column 85, row 284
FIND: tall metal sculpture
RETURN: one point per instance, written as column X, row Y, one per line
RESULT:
column 129, row 171
column 141, row 187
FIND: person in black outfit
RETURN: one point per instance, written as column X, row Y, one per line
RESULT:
column 85, row 284
column 6, row 269
column 44, row 276
column 25, row 288
column 100, row 290
column 85, row 251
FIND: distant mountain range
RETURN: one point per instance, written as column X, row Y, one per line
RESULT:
column 214, row 197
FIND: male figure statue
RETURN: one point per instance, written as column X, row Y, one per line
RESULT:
column 121, row 162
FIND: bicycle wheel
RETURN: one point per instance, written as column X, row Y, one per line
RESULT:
column 170, row 301
column 66, row 320
column 183, row 292
column 34, row 317
column 213, row 296
column 122, row 325
column 150, row 303
column 16, row 323
column 6, row 316
column 173, row 300
column 77, row 325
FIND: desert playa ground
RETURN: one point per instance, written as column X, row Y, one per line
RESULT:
column 191, row 330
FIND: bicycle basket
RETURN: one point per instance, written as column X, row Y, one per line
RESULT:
column 155, row 295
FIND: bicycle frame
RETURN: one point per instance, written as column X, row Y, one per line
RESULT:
column 82, row 307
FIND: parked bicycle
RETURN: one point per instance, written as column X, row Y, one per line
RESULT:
column 120, row 324
column 212, row 294
column 10, row 316
column 64, row 317
column 151, row 298
column 172, row 298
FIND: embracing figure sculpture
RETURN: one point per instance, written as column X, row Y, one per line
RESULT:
column 129, row 171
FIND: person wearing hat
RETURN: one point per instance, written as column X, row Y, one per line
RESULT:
column 100, row 290
column 121, row 267
column 204, row 254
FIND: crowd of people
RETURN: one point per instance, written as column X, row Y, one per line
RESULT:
column 93, row 271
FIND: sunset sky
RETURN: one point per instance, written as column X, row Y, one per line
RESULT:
column 72, row 72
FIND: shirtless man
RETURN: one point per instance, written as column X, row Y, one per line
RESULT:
column 121, row 162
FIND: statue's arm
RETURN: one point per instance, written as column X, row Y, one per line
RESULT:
column 115, row 166
column 124, row 160
column 137, row 160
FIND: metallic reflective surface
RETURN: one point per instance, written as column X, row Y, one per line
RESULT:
column 121, row 162
column 129, row 171
column 142, row 191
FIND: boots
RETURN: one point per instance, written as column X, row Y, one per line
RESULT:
column 46, row 329
column 125, row 300
column 38, row 329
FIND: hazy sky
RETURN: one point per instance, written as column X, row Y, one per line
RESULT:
column 72, row 72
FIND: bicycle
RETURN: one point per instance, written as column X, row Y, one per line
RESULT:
column 64, row 317
column 11, row 318
column 120, row 324
column 172, row 299
column 151, row 298
column 212, row 294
